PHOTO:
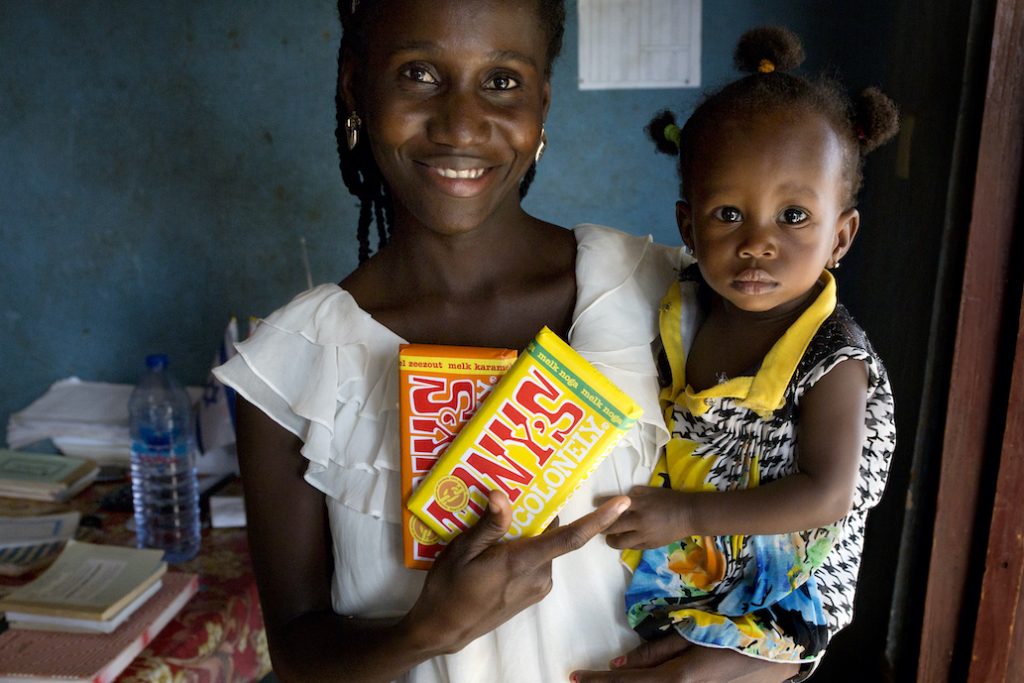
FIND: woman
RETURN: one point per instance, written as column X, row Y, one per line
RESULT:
column 442, row 103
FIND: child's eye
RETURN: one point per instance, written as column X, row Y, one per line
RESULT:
column 502, row 82
column 728, row 214
column 420, row 74
column 793, row 216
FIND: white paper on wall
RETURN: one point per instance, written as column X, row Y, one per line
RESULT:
column 639, row 44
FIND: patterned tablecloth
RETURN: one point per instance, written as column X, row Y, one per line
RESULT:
column 218, row 636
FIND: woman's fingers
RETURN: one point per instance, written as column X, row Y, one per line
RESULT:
column 489, row 530
column 542, row 549
column 496, row 580
column 642, row 664
column 652, row 653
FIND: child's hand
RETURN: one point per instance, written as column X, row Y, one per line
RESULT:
column 656, row 517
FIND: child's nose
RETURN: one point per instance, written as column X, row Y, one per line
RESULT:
column 459, row 120
column 757, row 240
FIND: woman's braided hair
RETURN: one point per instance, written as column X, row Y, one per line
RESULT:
column 359, row 170
column 864, row 123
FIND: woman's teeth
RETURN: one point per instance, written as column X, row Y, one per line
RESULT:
column 469, row 173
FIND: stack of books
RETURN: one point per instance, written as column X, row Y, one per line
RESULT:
column 43, row 476
column 90, row 613
column 89, row 588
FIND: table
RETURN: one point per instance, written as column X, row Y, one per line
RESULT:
column 219, row 635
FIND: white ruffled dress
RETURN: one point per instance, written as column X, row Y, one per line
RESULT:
column 328, row 372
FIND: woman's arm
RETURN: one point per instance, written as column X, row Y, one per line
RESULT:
column 830, row 435
column 289, row 539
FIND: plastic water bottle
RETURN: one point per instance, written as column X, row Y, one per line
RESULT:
column 165, row 493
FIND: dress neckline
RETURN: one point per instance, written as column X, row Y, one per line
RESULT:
column 401, row 340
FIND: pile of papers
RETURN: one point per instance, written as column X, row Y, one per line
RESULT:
column 43, row 476
column 88, row 419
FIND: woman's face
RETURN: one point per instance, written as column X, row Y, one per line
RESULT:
column 453, row 95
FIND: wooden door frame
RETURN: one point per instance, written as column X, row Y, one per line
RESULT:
column 971, row 411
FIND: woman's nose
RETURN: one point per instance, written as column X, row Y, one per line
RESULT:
column 460, row 119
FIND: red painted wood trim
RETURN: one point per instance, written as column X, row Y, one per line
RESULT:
column 995, row 633
column 997, row 183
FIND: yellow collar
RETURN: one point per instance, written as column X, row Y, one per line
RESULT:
column 765, row 392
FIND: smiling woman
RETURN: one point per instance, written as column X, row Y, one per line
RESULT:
column 425, row 80
column 454, row 109
column 441, row 109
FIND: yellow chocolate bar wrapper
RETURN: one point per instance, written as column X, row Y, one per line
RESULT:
column 542, row 430
column 441, row 388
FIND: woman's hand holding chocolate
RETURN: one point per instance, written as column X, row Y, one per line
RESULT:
column 480, row 582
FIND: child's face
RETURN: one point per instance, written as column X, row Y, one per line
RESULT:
column 765, row 209
column 453, row 96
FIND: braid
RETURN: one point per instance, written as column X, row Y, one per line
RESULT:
column 524, row 184
column 766, row 54
column 359, row 169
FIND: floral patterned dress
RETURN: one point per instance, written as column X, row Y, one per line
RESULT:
column 777, row 597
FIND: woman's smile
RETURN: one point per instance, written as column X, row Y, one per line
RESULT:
column 458, row 178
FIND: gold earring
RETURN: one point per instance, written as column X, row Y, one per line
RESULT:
column 352, row 124
column 542, row 145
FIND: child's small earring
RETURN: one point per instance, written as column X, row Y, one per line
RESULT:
column 542, row 145
column 835, row 265
column 352, row 124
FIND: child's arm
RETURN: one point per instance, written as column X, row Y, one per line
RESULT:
column 830, row 435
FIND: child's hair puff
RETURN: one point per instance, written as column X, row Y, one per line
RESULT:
column 877, row 119
column 777, row 45
column 660, row 130
column 768, row 55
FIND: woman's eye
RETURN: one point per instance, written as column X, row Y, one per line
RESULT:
column 502, row 82
column 419, row 74
column 728, row 214
column 793, row 216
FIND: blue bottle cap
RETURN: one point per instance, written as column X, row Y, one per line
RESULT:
column 156, row 361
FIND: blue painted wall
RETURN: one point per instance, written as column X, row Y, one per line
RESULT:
column 160, row 162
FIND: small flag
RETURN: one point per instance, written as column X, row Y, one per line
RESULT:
column 216, row 423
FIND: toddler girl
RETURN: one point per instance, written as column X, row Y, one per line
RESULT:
column 780, row 412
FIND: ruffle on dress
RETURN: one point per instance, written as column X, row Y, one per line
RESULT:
column 326, row 371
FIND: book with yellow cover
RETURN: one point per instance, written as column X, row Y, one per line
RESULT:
column 441, row 387
column 44, row 476
column 543, row 429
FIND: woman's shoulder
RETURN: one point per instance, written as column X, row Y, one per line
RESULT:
column 603, row 242
column 620, row 279
column 327, row 314
column 609, row 257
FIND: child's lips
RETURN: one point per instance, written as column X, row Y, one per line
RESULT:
column 754, row 281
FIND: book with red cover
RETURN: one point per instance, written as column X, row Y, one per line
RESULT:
column 38, row 656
